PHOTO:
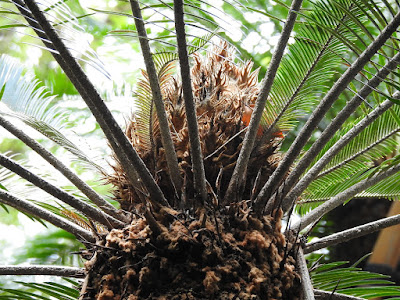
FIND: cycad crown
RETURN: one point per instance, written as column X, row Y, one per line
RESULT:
column 237, row 253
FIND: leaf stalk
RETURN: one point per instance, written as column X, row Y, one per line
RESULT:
column 190, row 106
column 251, row 134
column 166, row 139
column 129, row 158
column 63, row 169
column 37, row 211
column 62, row 271
column 332, row 128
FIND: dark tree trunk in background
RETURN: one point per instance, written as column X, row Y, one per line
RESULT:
column 354, row 213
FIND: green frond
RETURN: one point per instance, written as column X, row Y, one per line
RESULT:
column 42, row 291
column 357, row 160
column 145, row 112
column 388, row 188
column 203, row 21
column 71, row 214
column 34, row 106
column 352, row 281
column 308, row 66
column 320, row 52
column 10, row 182
column 145, row 115
column 52, row 247
column 64, row 21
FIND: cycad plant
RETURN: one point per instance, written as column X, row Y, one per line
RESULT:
column 201, row 183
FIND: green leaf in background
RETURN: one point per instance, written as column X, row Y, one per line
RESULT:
column 51, row 247
column 335, row 276
column 2, row 91
column 34, row 106
column 44, row 291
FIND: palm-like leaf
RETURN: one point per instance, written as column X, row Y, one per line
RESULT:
column 9, row 182
column 47, row 291
column 62, row 18
column 304, row 71
column 351, row 164
column 35, row 107
column 328, row 34
column 338, row 278
column 360, row 43
column 41, row 249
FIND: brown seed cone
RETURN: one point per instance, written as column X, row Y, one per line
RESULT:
column 224, row 93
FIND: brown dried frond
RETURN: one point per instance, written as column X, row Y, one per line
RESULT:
column 81, row 221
